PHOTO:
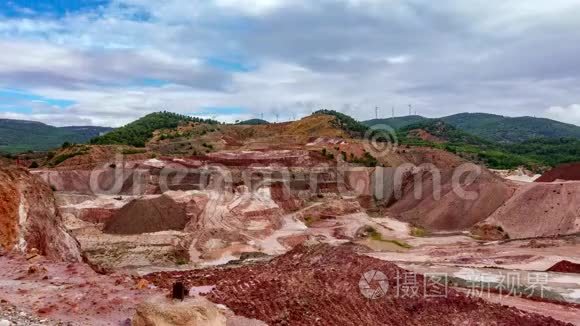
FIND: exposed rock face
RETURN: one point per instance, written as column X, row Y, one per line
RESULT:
column 30, row 219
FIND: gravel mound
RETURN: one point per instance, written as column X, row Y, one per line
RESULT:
column 452, row 211
column 321, row 285
column 540, row 210
column 148, row 215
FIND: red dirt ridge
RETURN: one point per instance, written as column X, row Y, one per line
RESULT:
column 562, row 172
column 319, row 285
column 565, row 266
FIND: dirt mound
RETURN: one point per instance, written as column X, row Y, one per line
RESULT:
column 29, row 217
column 565, row 266
column 148, row 215
column 457, row 208
column 321, row 285
column 562, row 172
column 540, row 209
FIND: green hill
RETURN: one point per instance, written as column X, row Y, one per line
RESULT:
column 532, row 153
column 396, row 122
column 138, row 132
column 346, row 122
column 18, row 136
column 511, row 130
column 253, row 122
column 495, row 127
column 444, row 131
column 471, row 147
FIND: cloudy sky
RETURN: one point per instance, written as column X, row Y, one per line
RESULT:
column 107, row 62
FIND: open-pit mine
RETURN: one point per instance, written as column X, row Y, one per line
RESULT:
column 296, row 223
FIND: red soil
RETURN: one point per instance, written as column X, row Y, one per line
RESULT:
column 148, row 215
column 565, row 266
column 452, row 211
column 562, row 172
column 540, row 210
column 319, row 285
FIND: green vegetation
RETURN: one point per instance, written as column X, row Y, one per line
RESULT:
column 511, row 130
column 446, row 132
column 63, row 157
column 346, row 122
column 71, row 151
column 533, row 154
column 367, row 160
column 548, row 151
column 253, row 122
column 491, row 127
column 19, row 136
column 138, row 132
column 130, row 151
column 397, row 122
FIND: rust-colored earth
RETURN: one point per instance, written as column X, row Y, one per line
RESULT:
column 563, row 172
column 565, row 266
column 319, row 285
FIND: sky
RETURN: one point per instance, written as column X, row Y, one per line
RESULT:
column 108, row 62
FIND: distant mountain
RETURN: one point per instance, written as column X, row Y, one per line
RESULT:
column 88, row 132
column 253, row 122
column 494, row 127
column 18, row 136
column 396, row 122
column 510, row 130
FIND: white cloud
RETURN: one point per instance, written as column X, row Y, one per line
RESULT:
column 569, row 114
column 514, row 58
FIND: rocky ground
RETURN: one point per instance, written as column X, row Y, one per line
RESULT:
column 10, row 315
